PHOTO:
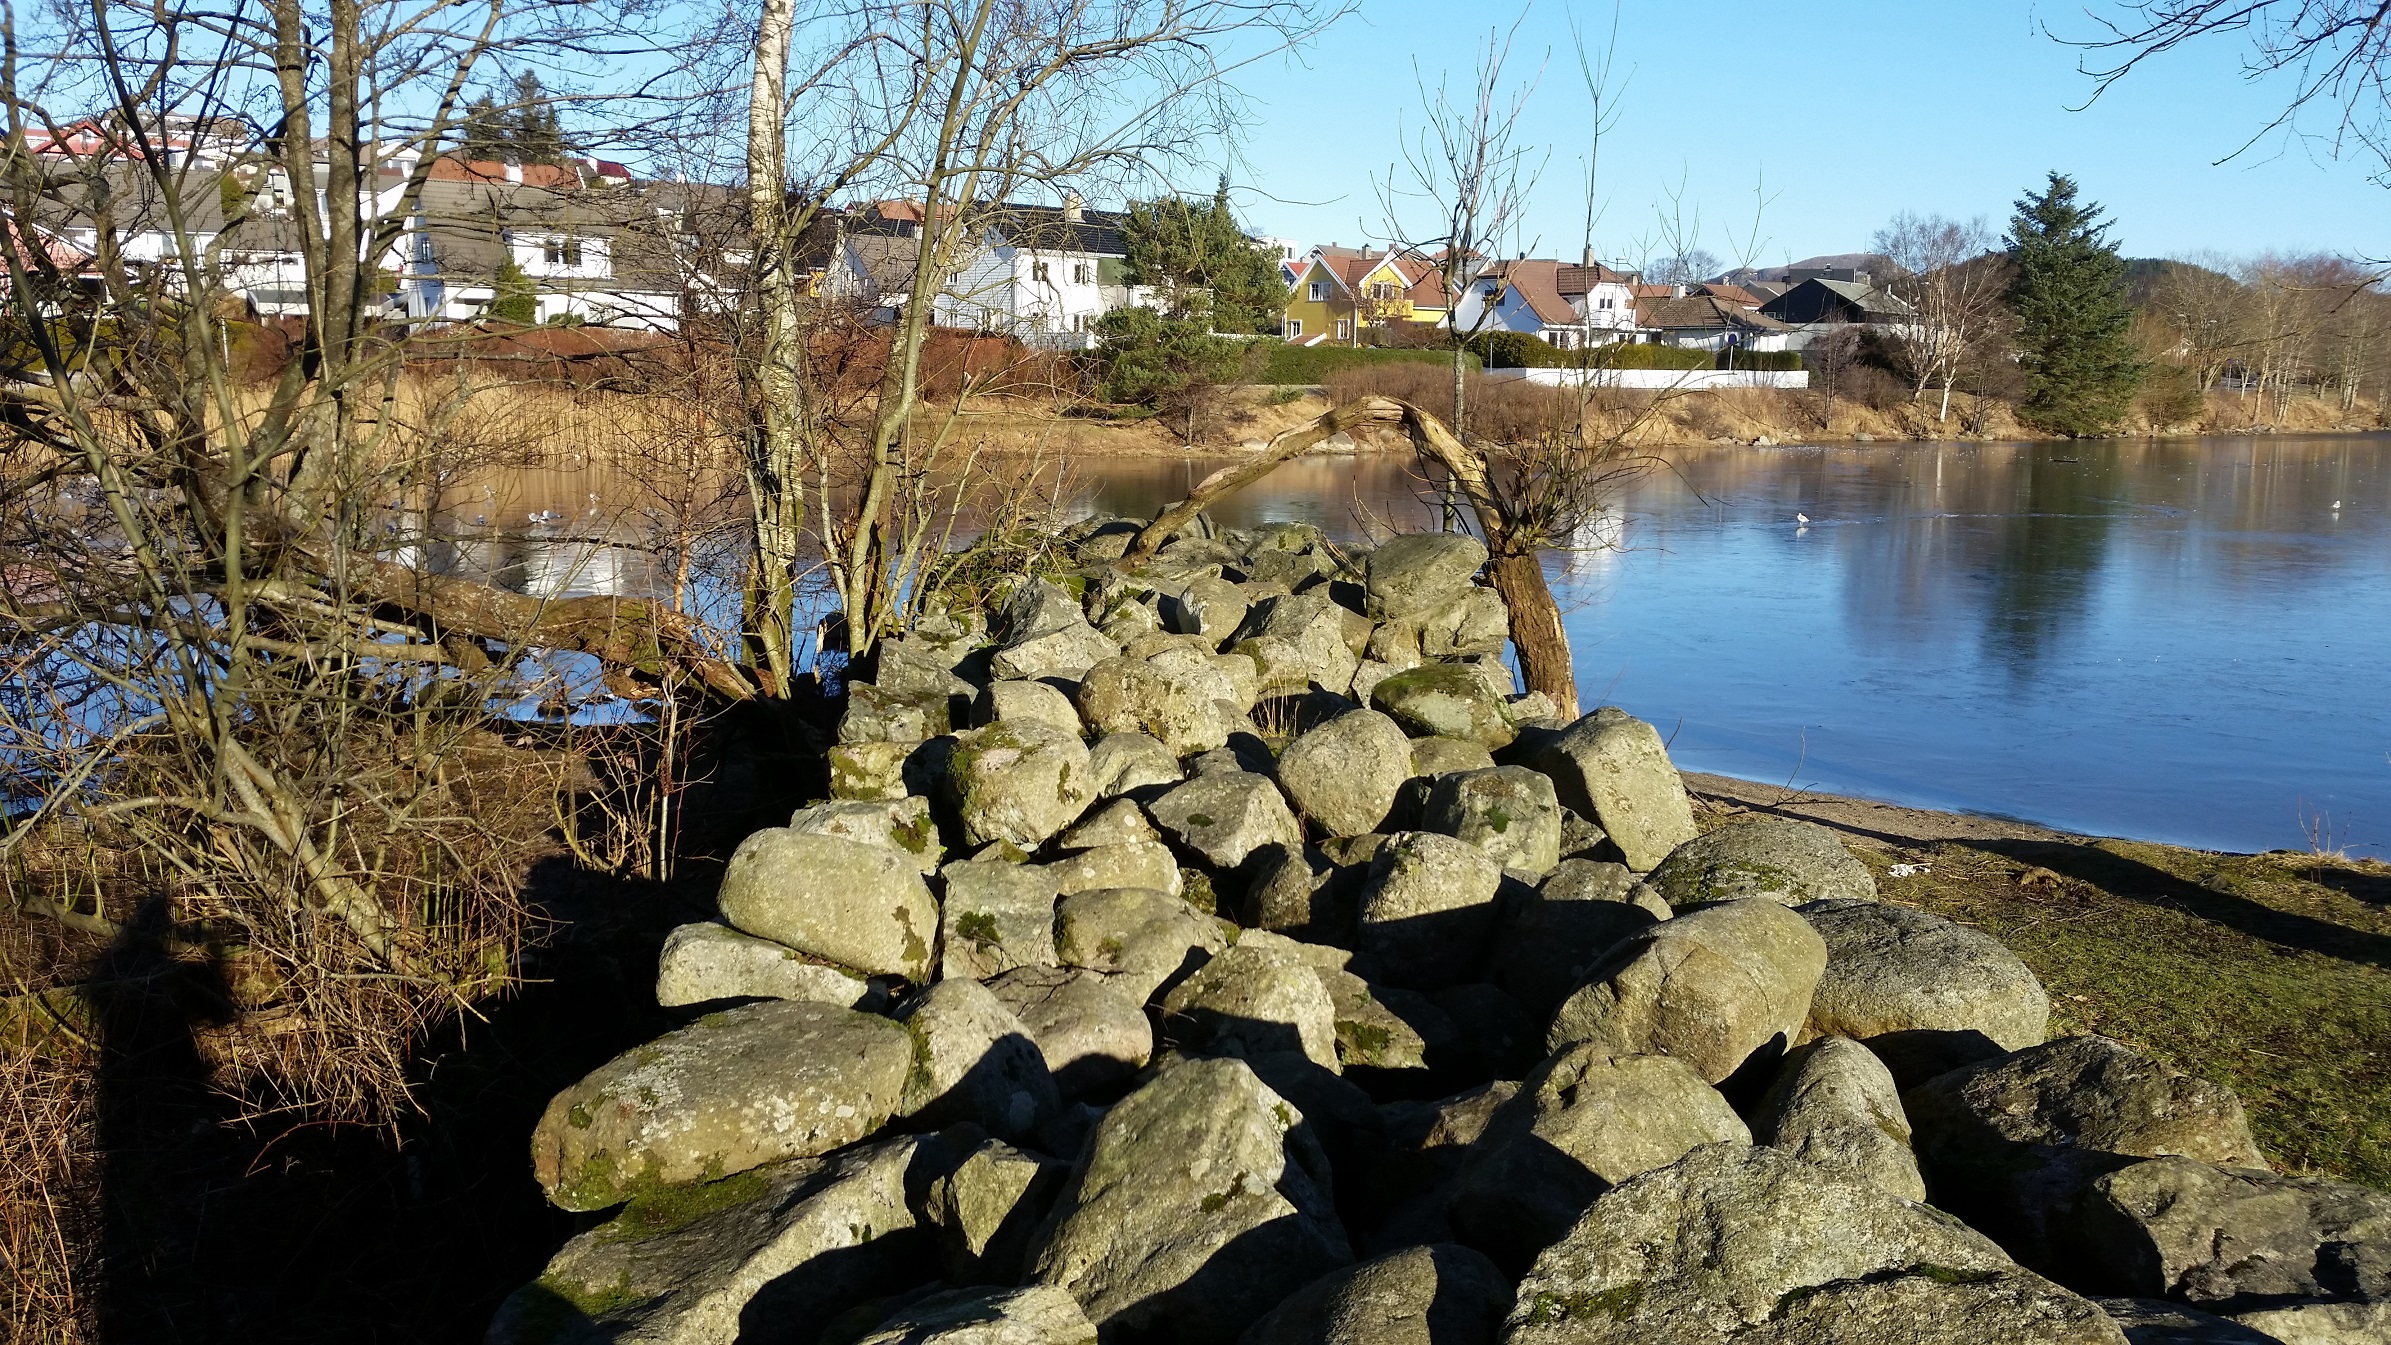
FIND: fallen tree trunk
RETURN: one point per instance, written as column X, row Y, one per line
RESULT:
column 1514, row 565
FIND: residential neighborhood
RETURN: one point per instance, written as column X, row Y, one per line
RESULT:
column 582, row 240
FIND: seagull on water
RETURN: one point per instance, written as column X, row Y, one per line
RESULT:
column 2336, row 506
column 1801, row 518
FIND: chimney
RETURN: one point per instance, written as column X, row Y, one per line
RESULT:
column 1676, row 291
column 514, row 172
column 1075, row 209
column 1588, row 261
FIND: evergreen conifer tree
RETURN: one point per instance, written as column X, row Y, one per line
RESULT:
column 1204, row 264
column 484, row 136
column 2073, row 318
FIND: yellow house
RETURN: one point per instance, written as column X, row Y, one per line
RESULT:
column 1339, row 293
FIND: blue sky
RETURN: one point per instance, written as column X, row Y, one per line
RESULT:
column 1852, row 109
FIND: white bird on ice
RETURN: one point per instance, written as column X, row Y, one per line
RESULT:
column 1803, row 519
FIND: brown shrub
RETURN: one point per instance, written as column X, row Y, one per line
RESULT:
column 1505, row 411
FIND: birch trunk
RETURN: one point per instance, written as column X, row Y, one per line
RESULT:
column 775, row 449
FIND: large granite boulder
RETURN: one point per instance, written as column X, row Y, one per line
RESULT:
column 1343, row 775
column 1747, row 1244
column 692, row 1265
column 1119, row 822
column 735, row 1090
column 1019, row 782
column 2233, row 1238
column 1015, row 700
column 1225, row 816
column 973, row 1060
column 1509, row 812
column 1146, row 863
column 1613, row 768
column 1548, row 942
column 1723, row 988
column 1475, row 621
column 2335, row 1321
column 1414, row 574
column 1199, row 1205
column 706, row 961
column 1444, row 700
column 869, row 772
column 1123, row 763
column 1428, row 908
column 2083, row 1092
column 1433, row 1295
column 1324, row 640
column 1178, row 703
column 1141, row 938
column 1209, row 606
column 875, row 715
column 1032, row 1315
column 996, row 916
column 1253, row 999
column 1925, row 993
column 1835, row 1104
column 2154, row 1321
column 1788, row 861
column 902, row 825
column 859, row 905
column 1045, row 634
column 1583, row 1122
column 1093, row 1033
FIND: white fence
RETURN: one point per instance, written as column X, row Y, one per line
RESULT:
column 1700, row 380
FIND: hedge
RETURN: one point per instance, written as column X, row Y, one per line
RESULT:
column 1283, row 363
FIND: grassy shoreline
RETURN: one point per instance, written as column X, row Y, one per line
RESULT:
column 2270, row 973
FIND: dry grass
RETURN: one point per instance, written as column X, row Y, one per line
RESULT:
column 49, row 1240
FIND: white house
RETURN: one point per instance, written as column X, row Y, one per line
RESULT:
column 1569, row 306
column 1041, row 274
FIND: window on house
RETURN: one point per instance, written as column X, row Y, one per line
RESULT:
column 1037, row 270
column 1380, row 289
column 564, row 251
column 1344, row 329
column 1079, row 273
column 1319, row 291
column 1294, row 328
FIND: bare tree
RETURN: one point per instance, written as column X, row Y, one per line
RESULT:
column 1944, row 269
column 1467, row 179
column 2203, row 310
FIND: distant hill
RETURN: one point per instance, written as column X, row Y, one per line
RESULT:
column 1857, row 261
column 2143, row 274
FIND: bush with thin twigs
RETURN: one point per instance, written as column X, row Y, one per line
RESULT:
column 1500, row 410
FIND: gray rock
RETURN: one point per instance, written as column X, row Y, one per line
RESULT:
column 1211, row 607
column 1343, row 775
column 1413, row 575
column 1176, row 703
column 1019, row 782
column 1145, row 863
column 1783, row 860
column 1327, row 638
column 1926, row 993
column 902, row 825
column 707, row 961
column 2084, row 1092
column 1474, row 622
column 1046, row 635
column 2152, row 1321
column 1200, row 1204
column 877, row 716
column 1436, row 756
column 1034, row 1315
column 985, row 1211
column 1368, row 674
column 1548, row 943
column 1755, row 1246
column 1119, row 822
column 1721, row 988
column 733, row 1091
column 1253, row 999
column 1122, row 762
column 1280, row 667
column 2340, row 1322
column 861, row 906
column 1428, row 909
column 1435, row 1295
column 868, row 771
column 2239, row 1237
column 1093, row 1033
column 996, row 916
column 1834, row 1104
column 1583, row 1122
column 1612, row 767
column 1226, row 816
column 1509, row 812
column 1300, row 893
column 1142, row 938
column 1012, row 700
column 1444, row 700
column 685, row 1266
column 973, row 1060
column 913, row 666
